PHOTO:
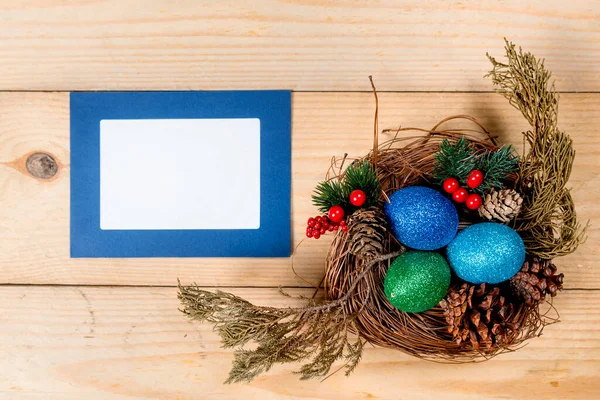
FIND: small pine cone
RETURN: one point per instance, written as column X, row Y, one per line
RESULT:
column 536, row 279
column 503, row 205
column 366, row 232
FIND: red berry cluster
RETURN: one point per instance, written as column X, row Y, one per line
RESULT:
column 317, row 226
column 334, row 220
column 460, row 194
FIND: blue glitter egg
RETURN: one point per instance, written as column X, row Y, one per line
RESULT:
column 486, row 252
column 422, row 218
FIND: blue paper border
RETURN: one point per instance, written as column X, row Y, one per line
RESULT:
column 272, row 239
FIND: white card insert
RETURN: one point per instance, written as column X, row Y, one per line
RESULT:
column 158, row 174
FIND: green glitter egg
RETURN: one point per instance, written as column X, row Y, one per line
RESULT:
column 417, row 281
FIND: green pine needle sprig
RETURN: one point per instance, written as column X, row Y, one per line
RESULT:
column 361, row 175
column 331, row 193
column 496, row 166
column 454, row 160
column 458, row 159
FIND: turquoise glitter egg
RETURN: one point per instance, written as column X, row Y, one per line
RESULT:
column 417, row 280
column 422, row 218
column 486, row 252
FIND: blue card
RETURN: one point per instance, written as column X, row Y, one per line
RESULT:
column 180, row 174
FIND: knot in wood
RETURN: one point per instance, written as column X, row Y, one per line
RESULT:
column 41, row 165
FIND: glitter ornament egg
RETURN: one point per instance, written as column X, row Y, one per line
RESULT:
column 417, row 280
column 422, row 218
column 488, row 252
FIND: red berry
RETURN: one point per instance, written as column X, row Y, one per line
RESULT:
column 474, row 179
column 336, row 213
column 358, row 198
column 473, row 201
column 311, row 221
column 331, row 228
column 460, row 195
column 450, row 185
column 317, row 225
column 322, row 230
column 316, row 234
column 343, row 223
column 309, row 233
column 345, row 228
column 336, row 227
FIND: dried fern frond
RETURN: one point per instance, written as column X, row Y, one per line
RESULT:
column 548, row 223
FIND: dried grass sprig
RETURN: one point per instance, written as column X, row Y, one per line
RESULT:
column 318, row 333
column 548, row 223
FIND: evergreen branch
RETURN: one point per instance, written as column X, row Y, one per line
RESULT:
column 454, row 160
column 362, row 175
column 359, row 175
column 497, row 166
column 458, row 159
column 331, row 193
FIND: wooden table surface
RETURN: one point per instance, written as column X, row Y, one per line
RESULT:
column 110, row 329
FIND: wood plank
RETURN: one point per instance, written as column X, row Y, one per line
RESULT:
column 409, row 45
column 101, row 343
column 34, row 239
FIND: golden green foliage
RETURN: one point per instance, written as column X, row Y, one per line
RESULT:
column 318, row 334
column 548, row 223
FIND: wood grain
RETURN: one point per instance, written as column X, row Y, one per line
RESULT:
column 98, row 343
column 34, row 217
column 303, row 45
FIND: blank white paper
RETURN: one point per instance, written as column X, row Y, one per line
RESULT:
column 158, row 174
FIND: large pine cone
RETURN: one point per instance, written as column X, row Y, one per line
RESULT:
column 480, row 314
column 455, row 307
column 503, row 205
column 536, row 279
column 366, row 232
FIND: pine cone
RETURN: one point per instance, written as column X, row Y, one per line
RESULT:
column 536, row 279
column 455, row 306
column 480, row 314
column 503, row 205
column 366, row 232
